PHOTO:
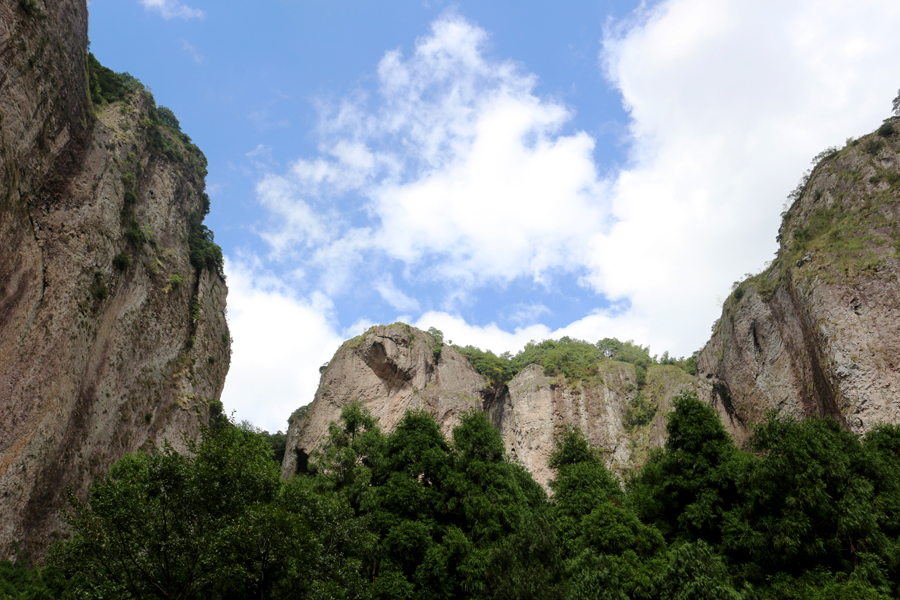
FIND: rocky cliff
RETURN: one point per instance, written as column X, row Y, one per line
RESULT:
column 391, row 369
column 110, row 338
column 611, row 412
column 818, row 332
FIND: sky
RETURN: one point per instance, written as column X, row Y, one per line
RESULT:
column 503, row 171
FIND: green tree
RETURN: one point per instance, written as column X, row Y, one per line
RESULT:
column 687, row 487
column 152, row 527
column 217, row 523
column 607, row 549
column 351, row 452
column 819, row 500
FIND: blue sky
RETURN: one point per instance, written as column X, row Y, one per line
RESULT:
column 504, row 171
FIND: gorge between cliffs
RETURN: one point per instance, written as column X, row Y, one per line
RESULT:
column 420, row 468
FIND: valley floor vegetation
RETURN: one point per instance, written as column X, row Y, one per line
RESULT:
column 808, row 511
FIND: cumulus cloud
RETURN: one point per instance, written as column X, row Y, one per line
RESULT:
column 463, row 172
column 394, row 296
column 456, row 171
column 728, row 103
column 172, row 9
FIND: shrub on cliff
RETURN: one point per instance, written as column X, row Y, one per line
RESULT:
column 108, row 86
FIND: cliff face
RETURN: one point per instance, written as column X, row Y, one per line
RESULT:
column 612, row 413
column 389, row 370
column 110, row 339
column 818, row 333
column 393, row 369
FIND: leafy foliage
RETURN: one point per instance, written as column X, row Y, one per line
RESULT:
column 204, row 252
column 218, row 524
column 494, row 368
column 106, row 85
column 811, row 511
column 576, row 360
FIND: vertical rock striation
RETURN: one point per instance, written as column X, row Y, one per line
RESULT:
column 612, row 413
column 818, row 332
column 110, row 339
column 392, row 369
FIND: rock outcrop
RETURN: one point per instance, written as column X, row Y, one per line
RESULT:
column 818, row 332
column 110, row 339
column 395, row 368
column 389, row 370
column 611, row 412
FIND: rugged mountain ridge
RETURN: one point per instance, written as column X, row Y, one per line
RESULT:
column 818, row 332
column 394, row 368
column 110, row 338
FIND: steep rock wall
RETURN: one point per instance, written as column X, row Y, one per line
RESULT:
column 818, row 333
column 96, row 359
column 612, row 413
column 392, row 369
column 389, row 370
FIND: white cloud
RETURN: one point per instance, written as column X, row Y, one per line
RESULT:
column 462, row 171
column 729, row 101
column 172, row 9
column 279, row 343
column 394, row 296
column 523, row 313
column 195, row 56
column 458, row 171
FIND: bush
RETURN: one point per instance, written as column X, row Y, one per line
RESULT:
column 128, row 203
column 122, row 261
column 167, row 117
column 98, row 288
column 639, row 411
column 886, row 130
column 135, row 235
column 30, row 8
column 438, row 336
column 203, row 249
column 873, row 146
column 107, row 86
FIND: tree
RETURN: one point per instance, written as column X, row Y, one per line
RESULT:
column 606, row 547
column 818, row 500
column 217, row 523
column 686, row 488
column 351, row 452
column 152, row 527
column 166, row 115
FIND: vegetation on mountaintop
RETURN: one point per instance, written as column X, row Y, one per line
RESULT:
column 846, row 237
column 166, row 140
column 576, row 360
column 811, row 511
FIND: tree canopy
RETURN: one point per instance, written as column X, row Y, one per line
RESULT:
column 807, row 511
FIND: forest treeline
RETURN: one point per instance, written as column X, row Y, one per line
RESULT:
column 576, row 360
column 808, row 511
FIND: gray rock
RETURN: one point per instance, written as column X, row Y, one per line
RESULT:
column 95, row 360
